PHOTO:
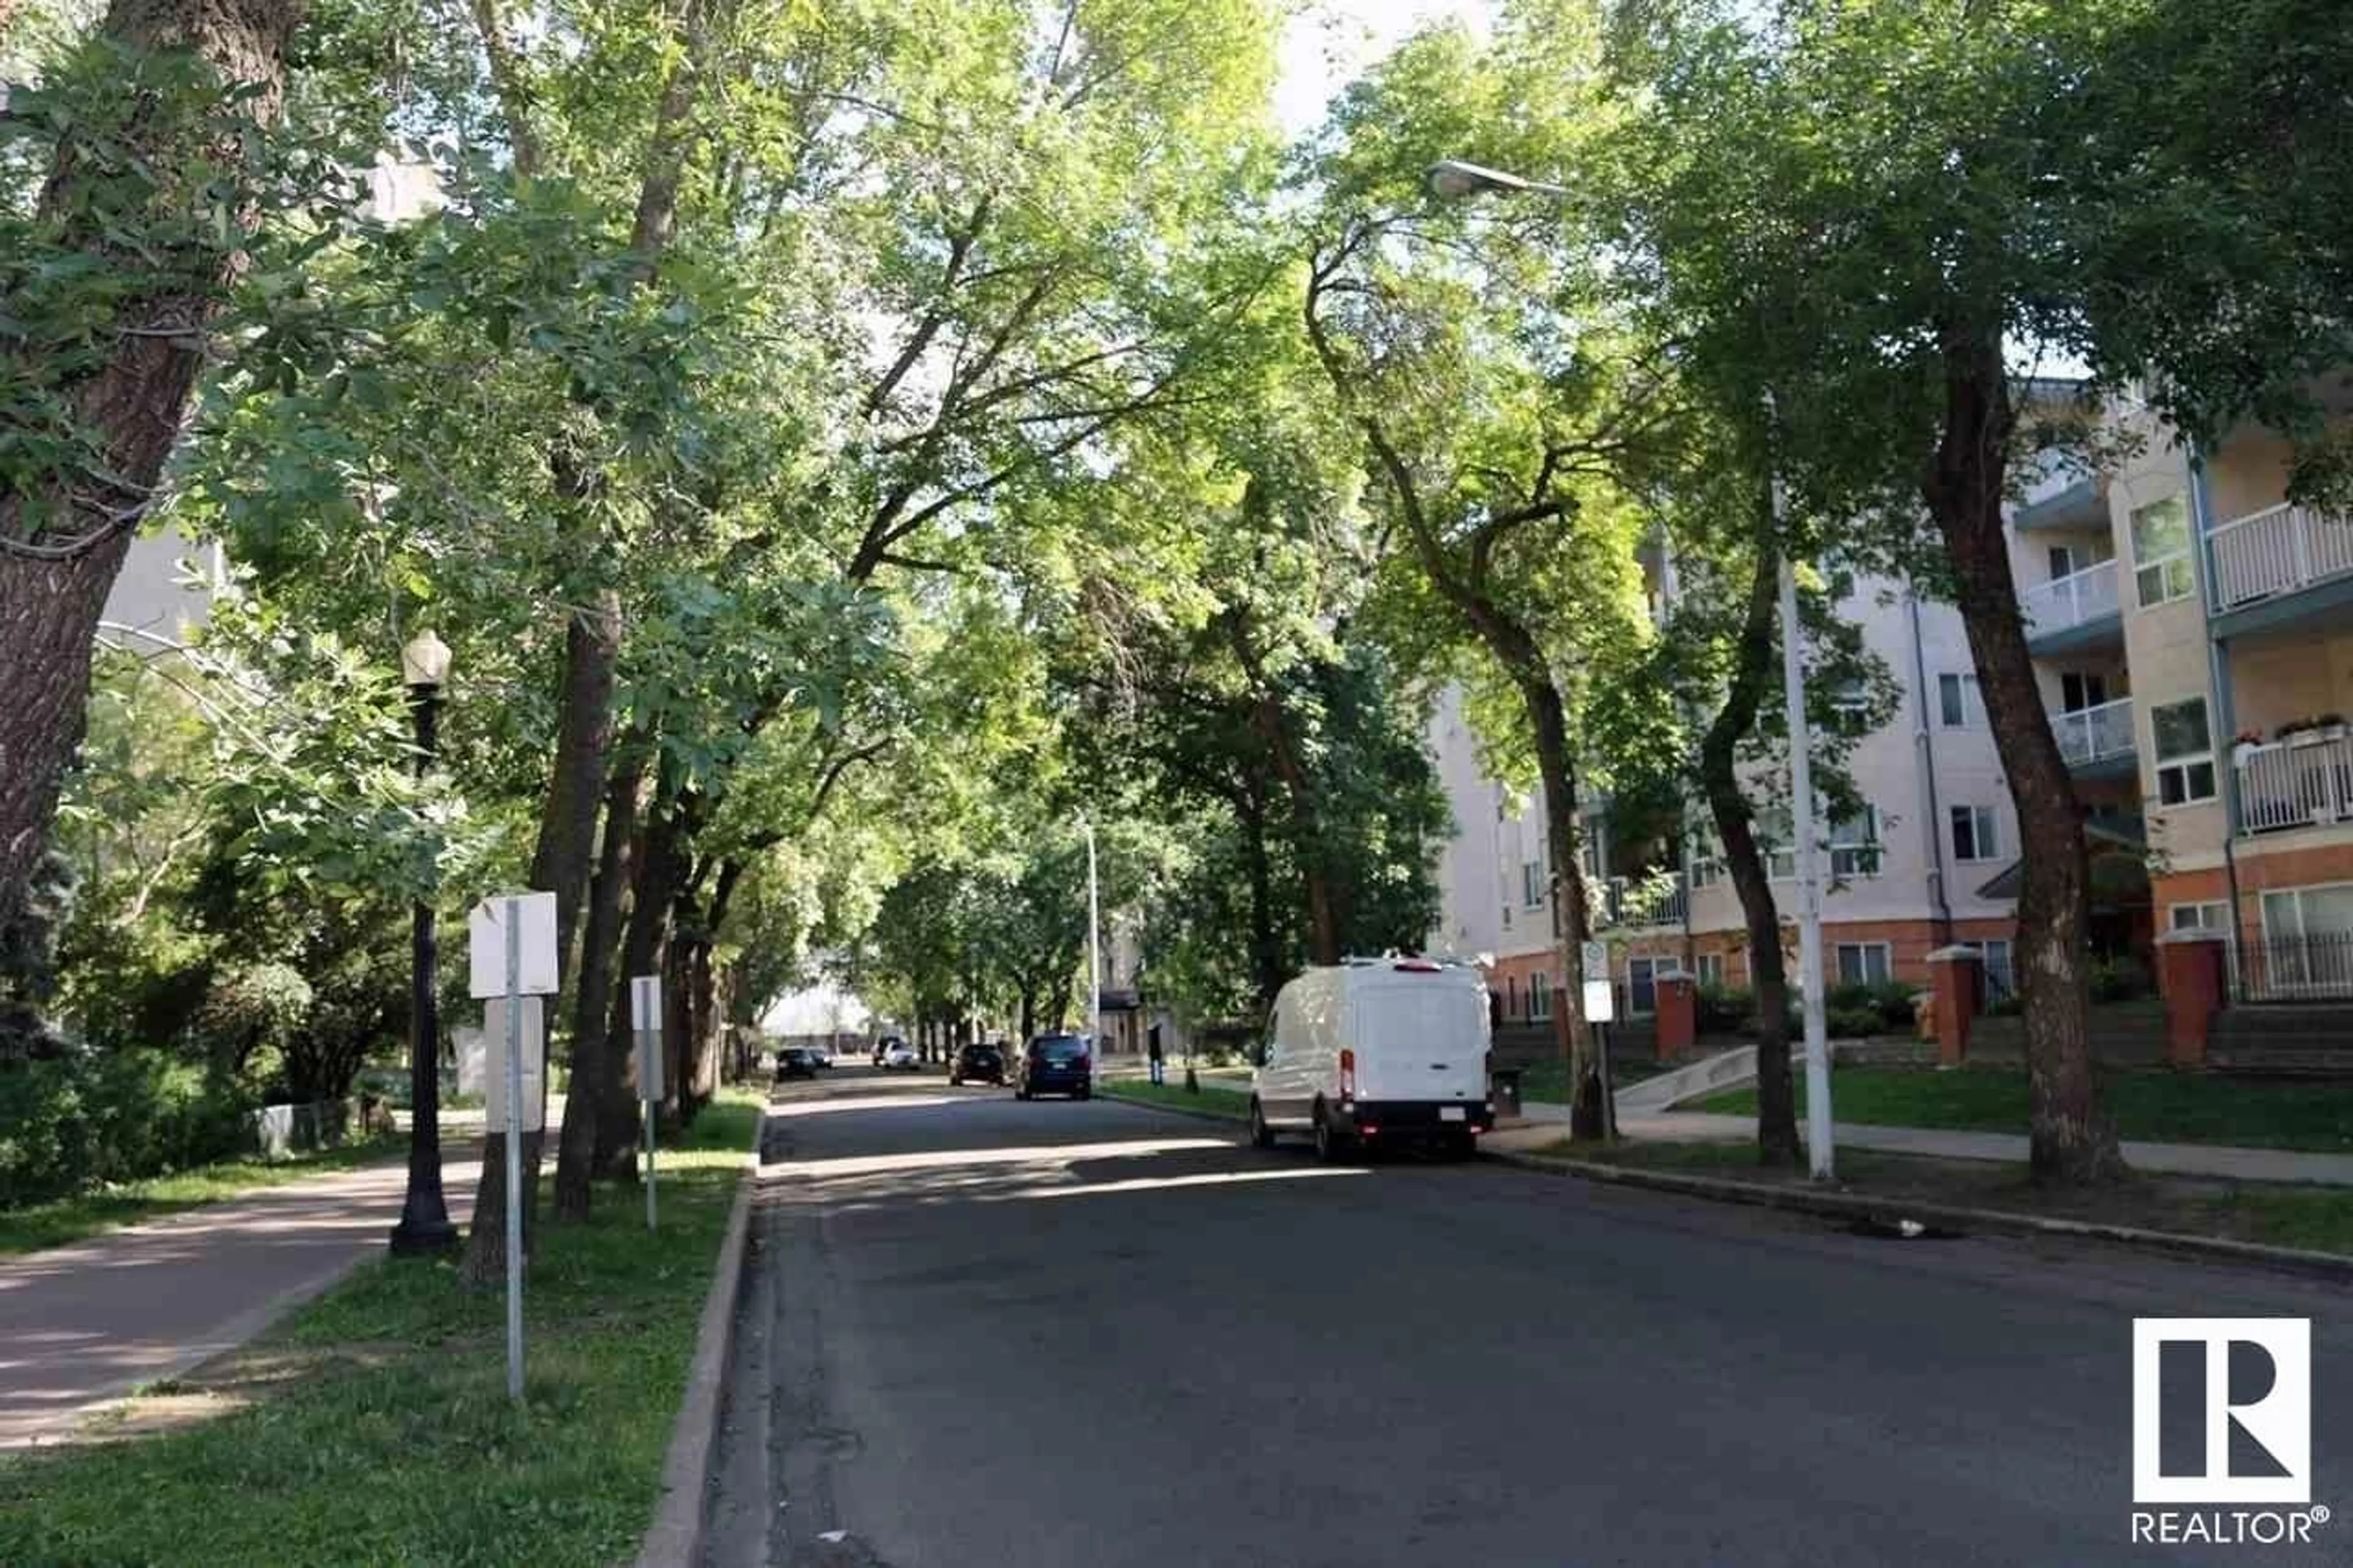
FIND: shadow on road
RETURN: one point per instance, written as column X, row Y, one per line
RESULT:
column 866, row 1141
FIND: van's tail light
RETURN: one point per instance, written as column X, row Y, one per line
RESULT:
column 1347, row 1075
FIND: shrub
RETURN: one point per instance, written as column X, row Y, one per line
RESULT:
column 248, row 1018
column 1895, row 1001
column 2119, row 980
column 1851, row 1023
column 1723, row 1008
column 89, row 1120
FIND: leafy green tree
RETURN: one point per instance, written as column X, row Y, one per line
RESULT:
column 1504, row 401
column 153, row 131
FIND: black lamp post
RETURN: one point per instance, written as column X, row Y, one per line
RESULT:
column 423, row 1224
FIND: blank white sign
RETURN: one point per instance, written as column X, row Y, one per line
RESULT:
column 533, row 915
column 645, row 1000
column 494, row 1062
column 1600, row 1001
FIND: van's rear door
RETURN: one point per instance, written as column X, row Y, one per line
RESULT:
column 1419, row 1036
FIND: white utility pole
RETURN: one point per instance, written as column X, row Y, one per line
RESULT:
column 1094, row 955
column 1819, row 1152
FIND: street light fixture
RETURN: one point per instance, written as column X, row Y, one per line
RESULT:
column 1451, row 178
column 424, row 1227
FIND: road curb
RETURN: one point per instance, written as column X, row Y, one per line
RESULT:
column 675, row 1538
column 1856, row 1205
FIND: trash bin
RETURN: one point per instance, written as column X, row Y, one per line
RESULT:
column 1505, row 1086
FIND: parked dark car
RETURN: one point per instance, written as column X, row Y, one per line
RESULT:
column 797, row 1061
column 1054, row 1064
column 979, row 1062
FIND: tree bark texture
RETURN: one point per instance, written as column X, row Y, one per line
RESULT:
column 560, row 864
column 595, row 1078
column 1777, row 1103
column 659, row 866
column 1588, row 1116
column 2072, row 1141
column 62, row 542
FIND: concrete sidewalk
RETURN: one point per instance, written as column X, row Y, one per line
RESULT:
column 86, row 1323
column 1548, row 1122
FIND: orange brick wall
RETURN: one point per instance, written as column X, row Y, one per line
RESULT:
column 2258, row 871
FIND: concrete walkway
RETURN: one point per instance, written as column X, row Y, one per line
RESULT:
column 86, row 1323
column 1546, row 1122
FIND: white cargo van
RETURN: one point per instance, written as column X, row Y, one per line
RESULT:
column 1377, row 1051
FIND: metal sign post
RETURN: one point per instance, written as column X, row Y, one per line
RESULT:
column 513, row 957
column 1600, row 1007
column 514, row 1154
column 645, row 1017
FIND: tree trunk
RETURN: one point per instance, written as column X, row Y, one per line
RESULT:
column 658, row 868
column 63, row 538
column 595, row 1078
column 2072, row 1141
column 1777, row 1105
column 1266, row 948
column 1589, row 1115
column 560, row 864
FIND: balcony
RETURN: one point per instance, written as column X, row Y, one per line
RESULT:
column 2305, row 781
column 2263, row 562
column 1643, row 902
column 2079, row 610
column 2097, row 742
column 2079, row 507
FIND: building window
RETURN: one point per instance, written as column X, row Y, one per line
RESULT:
column 1511, row 996
column 1540, row 997
column 1532, row 882
column 1958, row 705
column 2185, row 752
column 1976, row 835
column 1710, row 969
column 1705, row 854
column 1862, row 964
column 2308, row 941
column 1854, row 844
column 2160, row 547
column 1642, row 985
column 1778, row 843
column 2001, row 978
column 2209, row 916
column 2079, row 692
column 1507, row 917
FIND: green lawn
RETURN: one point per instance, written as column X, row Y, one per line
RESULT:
column 372, row 1425
column 37, row 1225
column 2154, row 1107
column 2317, row 1219
column 1216, row 1099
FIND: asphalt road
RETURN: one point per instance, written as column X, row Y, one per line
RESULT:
column 984, row 1333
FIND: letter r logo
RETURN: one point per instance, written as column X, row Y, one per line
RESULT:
column 2263, row 1416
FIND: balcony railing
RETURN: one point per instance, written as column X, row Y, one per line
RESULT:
column 1641, row 902
column 2096, row 734
column 2278, row 551
column 2298, row 783
column 2077, row 599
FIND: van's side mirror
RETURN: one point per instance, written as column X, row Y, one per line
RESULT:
column 1258, row 1052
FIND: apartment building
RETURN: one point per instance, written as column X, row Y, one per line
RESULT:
column 1931, row 859
column 2199, row 655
